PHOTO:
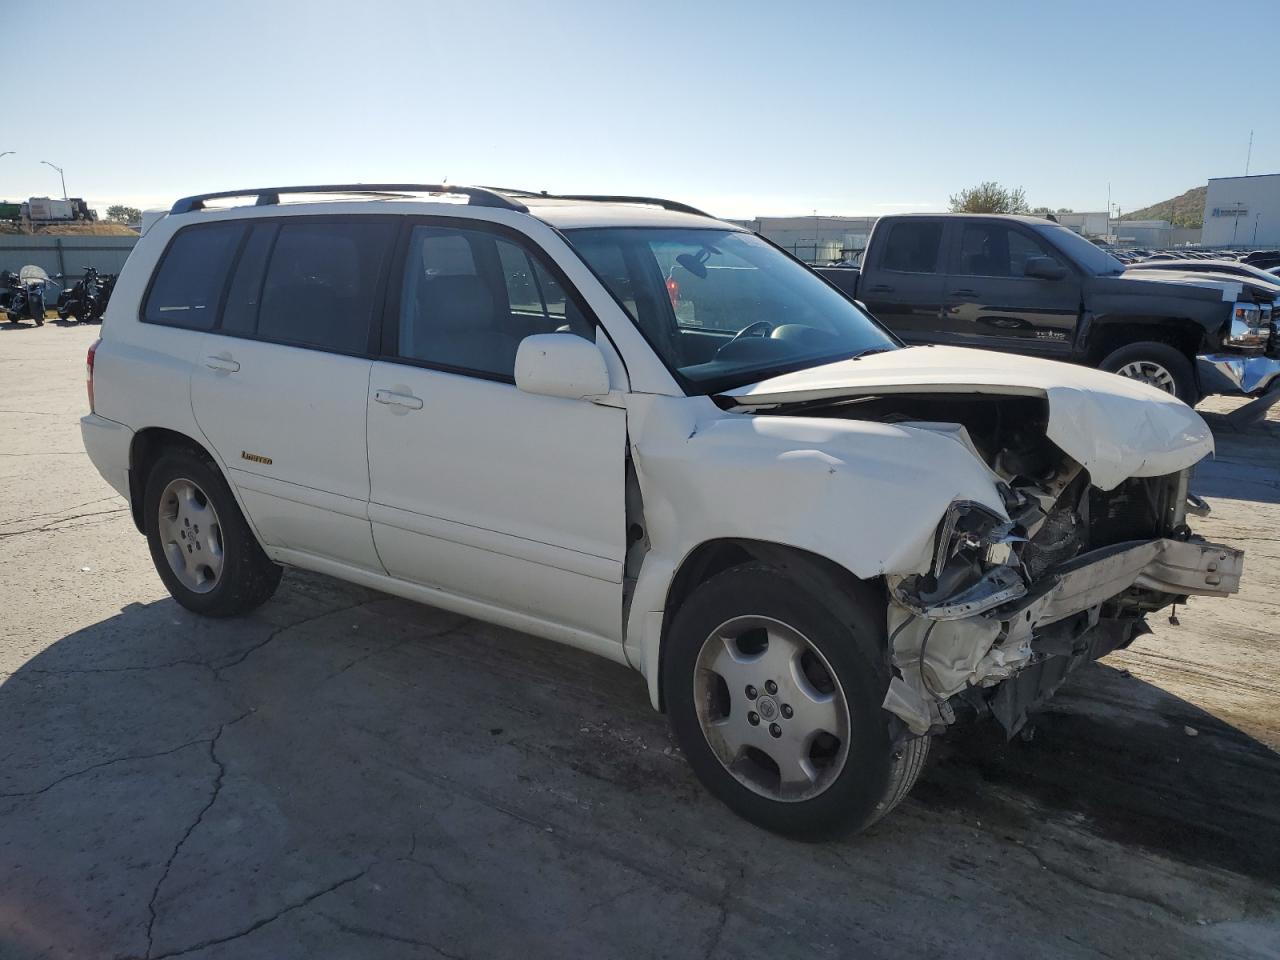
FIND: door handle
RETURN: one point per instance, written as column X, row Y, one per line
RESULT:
column 223, row 364
column 393, row 399
column 880, row 288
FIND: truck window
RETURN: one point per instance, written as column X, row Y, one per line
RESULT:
column 913, row 247
column 995, row 250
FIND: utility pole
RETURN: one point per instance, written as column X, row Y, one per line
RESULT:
column 1248, row 156
column 60, row 174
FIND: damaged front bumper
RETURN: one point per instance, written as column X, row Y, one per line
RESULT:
column 1025, row 639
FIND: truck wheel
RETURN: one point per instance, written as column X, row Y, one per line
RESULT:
column 1158, row 364
column 776, row 703
column 200, row 543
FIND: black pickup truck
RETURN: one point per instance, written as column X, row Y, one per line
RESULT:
column 1028, row 285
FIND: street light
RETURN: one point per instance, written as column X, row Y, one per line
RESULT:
column 5, row 153
column 60, row 174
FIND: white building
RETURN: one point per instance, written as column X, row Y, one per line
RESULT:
column 1096, row 224
column 1242, row 211
column 816, row 239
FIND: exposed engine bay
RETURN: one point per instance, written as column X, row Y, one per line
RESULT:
column 1011, row 604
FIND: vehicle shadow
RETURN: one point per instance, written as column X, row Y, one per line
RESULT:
column 1246, row 464
column 206, row 774
column 1145, row 768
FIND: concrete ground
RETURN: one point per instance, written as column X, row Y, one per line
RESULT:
column 344, row 774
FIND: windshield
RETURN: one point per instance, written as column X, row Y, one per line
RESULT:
column 1087, row 255
column 724, row 308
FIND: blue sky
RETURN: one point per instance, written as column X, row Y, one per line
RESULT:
column 742, row 108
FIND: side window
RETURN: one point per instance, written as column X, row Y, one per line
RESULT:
column 993, row 250
column 320, row 283
column 913, row 246
column 191, row 276
column 470, row 297
column 240, row 312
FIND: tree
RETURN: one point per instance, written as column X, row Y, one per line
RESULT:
column 989, row 197
column 118, row 213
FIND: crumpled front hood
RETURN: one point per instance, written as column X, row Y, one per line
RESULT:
column 1115, row 427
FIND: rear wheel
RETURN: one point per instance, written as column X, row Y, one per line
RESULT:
column 1158, row 364
column 200, row 543
column 776, row 701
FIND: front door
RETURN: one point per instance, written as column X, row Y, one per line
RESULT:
column 991, row 302
column 507, row 499
column 280, row 385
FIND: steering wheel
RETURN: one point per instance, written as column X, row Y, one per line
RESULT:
column 763, row 326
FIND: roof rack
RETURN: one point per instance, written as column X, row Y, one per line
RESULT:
column 266, row 196
column 673, row 205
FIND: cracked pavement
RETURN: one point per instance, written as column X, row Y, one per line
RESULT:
column 345, row 774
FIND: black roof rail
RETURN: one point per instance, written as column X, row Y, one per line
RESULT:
column 673, row 205
column 266, row 196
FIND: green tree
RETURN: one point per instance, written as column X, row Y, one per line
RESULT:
column 989, row 197
column 118, row 213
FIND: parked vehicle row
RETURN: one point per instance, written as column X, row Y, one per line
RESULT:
column 1028, row 285
column 624, row 425
column 25, row 295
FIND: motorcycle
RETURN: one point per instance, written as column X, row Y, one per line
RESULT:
column 24, row 295
column 86, row 299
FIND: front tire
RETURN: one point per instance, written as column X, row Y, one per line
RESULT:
column 200, row 543
column 776, row 701
column 1162, row 366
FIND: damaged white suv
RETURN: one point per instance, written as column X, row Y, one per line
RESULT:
column 623, row 425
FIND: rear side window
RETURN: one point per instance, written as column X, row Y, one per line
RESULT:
column 913, row 247
column 240, row 312
column 320, row 283
column 191, row 275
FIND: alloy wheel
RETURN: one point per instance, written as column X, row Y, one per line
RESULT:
column 771, row 708
column 191, row 535
column 1148, row 371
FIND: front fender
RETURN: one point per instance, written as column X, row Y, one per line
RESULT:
column 867, row 496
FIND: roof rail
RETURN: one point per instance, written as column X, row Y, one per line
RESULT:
column 266, row 196
column 673, row 205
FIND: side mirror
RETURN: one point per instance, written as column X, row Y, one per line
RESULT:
column 1044, row 268
column 561, row 365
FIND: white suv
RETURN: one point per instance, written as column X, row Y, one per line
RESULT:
column 624, row 425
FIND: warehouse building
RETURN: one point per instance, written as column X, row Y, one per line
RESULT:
column 815, row 239
column 1242, row 211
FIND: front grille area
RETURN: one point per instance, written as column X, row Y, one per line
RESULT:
column 1141, row 508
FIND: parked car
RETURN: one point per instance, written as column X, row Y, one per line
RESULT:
column 621, row 424
column 1025, row 285
column 1210, row 265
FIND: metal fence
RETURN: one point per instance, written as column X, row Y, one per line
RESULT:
column 68, row 255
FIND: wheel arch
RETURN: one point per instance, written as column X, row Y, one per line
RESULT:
column 839, row 587
column 146, row 447
column 1109, row 333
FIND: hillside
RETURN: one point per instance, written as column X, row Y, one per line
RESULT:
column 1184, row 210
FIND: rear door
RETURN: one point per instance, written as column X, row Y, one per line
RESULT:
column 280, row 386
column 902, row 285
column 991, row 302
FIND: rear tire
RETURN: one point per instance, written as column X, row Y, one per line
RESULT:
column 1158, row 364
column 200, row 543
column 851, row 773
